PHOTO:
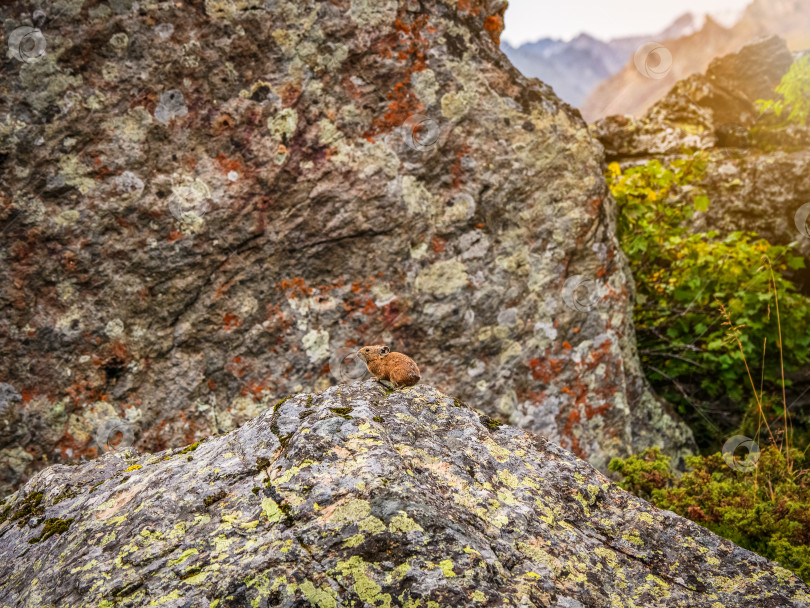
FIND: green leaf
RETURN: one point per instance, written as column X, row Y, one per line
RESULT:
column 702, row 203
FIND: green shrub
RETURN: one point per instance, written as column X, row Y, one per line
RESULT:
column 766, row 511
column 795, row 92
column 684, row 281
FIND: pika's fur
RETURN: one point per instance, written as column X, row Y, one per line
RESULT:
column 397, row 368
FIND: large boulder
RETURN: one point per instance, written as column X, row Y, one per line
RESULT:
column 205, row 210
column 359, row 496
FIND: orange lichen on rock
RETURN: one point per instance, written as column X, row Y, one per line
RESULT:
column 469, row 6
column 493, row 24
column 369, row 307
column 297, row 286
column 411, row 48
column 228, row 164
column 545, row 369
column 494, row 27
column 230, row 322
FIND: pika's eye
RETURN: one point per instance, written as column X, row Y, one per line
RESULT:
column 368, row 349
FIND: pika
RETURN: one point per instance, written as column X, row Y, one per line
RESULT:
column 397, row 368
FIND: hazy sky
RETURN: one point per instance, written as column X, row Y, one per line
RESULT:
column 528, row 20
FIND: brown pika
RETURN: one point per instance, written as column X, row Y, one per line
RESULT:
column 397, row 368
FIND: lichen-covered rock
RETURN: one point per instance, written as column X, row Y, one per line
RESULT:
column 203, row 210
column 363, row 497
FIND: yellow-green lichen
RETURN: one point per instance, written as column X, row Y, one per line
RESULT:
column 365, row 587
column 447, row 568
column 183, row 556
column 354, row 510
column 371, row 524
column 271, row 510
column 402, row 523
column 324, row 597
column 353, row 541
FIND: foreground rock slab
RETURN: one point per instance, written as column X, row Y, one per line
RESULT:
column 362, row 497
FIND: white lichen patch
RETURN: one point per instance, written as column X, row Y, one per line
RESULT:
column 417, row 198
column 114, row 328
column 74, row 173
column 283, row 124
column 425, row 86
column 456, row 105
column 68, row 217
column 231, row 9
column 316, row 343
column 373, row 13
column 442, row 278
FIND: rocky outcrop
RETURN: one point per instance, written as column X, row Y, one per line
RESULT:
column 759, row 168
column 362, row 497
column 758, row 173
column 205, row 209
column 633, row 93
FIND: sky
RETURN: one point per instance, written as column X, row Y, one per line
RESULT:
column 529, row 20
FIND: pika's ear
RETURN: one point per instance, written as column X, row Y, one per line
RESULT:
column 384, row 351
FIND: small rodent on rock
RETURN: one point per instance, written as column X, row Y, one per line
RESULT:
column 397, row 368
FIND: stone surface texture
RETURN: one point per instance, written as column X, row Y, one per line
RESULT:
column 359, row 496
column 204, row 207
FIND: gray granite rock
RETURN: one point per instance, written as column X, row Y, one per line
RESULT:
column 359, row 496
